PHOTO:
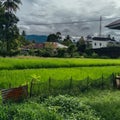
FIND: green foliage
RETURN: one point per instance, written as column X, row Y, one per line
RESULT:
column 61, row 53
column 36, row 62
column 81, row 46
column 71, row 50
column 18, row 70
column 92, row 105
column 9, row 32
column 105, row 103
column 71, row 108
column 54, row 37
column 26, row 111
column 95, row 55
column 67, row 41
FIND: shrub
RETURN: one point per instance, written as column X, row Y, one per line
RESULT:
column 71, row 108
column 26, row 111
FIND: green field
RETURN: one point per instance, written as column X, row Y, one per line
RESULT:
column 20, row 69
column 18, row 77
column 73, row 104
column 35, row 63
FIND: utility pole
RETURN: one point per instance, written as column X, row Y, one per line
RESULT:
column 100, row 30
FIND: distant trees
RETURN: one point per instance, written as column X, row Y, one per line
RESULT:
column 81, row 45
column 54, row 37
column 67, row 41
column 71, row 50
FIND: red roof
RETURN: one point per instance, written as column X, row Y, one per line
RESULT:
column 34, row 46
column 37, row 46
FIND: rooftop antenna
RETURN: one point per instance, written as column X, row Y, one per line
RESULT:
column 100, row 32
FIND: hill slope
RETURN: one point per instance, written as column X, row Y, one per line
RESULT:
column 37, row 38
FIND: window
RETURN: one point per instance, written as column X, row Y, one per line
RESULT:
column 95, row 44
column 100, row 44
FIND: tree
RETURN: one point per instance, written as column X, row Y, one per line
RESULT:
column 23, row 33
column 11, row 5
column 54, row 37
column 61, row 52
column 67, row 41
column 9, row 23
column 23, row 39
column 71, row 49
column 81, row 46
column 109, row 36
column 58, row 34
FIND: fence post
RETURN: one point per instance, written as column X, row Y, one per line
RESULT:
column 31, row 87
column 102, row 84
column 49, row 84
column 87, row 82
column 71, row 82
column 9, row 85
column 113, row 80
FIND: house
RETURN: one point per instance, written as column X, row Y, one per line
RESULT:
column 54, row 45
column 33, row 46
column 100, row 42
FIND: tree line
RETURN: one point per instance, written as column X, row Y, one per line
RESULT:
column 75, row 49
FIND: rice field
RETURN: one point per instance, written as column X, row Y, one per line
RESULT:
column 95, row 105
column 18, row 71
column 35, row 63
column 19, row 77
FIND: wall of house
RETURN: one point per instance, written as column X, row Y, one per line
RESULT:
column 99, row 44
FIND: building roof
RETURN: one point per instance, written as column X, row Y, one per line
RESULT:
column 102, row 39
column 54, row 45
column 34, row 46
column 114, row 25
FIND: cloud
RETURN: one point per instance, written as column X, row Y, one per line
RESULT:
column 38, row 15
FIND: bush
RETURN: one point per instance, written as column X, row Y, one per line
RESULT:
column 94, row 55
column 71, row 108
column 27, row 111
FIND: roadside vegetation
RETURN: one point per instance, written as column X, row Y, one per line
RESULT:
column 93, row 105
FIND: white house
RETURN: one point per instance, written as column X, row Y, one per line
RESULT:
column 100, row 42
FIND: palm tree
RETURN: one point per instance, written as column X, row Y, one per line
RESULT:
column 11, row 5
column 11, row 20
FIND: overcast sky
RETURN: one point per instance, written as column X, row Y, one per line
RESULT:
column 35, row 14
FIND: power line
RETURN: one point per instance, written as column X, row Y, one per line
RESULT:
column 75, row 22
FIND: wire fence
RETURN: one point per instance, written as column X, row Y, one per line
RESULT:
column 53, row 86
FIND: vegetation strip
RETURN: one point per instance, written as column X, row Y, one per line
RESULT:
column 35, row 63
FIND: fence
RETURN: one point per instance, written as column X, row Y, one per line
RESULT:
column 64, row 86
column 14, row 94
column 53, row 87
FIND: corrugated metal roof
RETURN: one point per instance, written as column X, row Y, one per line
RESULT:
column 102, row 39
column 114, row 25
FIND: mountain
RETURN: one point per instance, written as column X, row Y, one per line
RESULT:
column 37, row 38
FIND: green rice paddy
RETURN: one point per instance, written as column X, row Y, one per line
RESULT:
column 18, row 71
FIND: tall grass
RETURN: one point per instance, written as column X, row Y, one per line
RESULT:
column 19, row 77
column 34, row 63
